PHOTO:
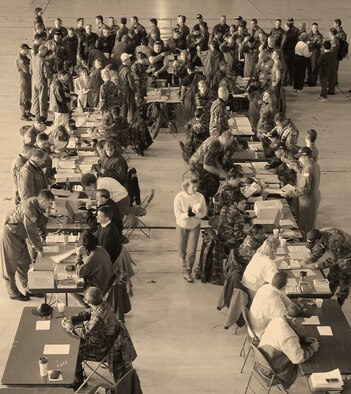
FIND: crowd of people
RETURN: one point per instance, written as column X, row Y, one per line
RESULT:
column 75, row 69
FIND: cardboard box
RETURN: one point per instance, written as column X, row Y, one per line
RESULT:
column 40, row 279
column 268, row 209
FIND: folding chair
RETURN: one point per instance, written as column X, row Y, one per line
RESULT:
column 251, row 337
column 266, row 382
column 146, row 230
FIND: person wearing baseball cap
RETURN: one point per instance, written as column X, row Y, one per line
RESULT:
column 307, row 189
column 25, row 82
column 39, row 17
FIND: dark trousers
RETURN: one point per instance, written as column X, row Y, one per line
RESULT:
column 300, row 64
column 312, row 75
column 289, row 60
column 342, row 279
column 324, row 85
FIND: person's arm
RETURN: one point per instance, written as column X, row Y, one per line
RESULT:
column 85, row 268
column 306, row 51
column 155, row 59
column 30, row 223
column 293, row 350
column 131, row 82
column 178, row 209
column 304, row 188
column 165, row 66
column 200, row 209
column 268, row 271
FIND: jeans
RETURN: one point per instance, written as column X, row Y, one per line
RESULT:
column 187, row 243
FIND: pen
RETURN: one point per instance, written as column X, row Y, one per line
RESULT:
column 59, row 317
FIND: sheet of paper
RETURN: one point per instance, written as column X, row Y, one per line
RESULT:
column 56, row 349
column 325, row 330
column 42, row 325
column 51, row 249
column 288, row 188
column 291, row 282
column 287, row 222
column 298, row 256
column 313, row 320
column 298, row 249
column 60, row 257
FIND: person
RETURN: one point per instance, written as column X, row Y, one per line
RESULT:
column 204, row 99
column 222, row 25
column 267, row 113
column 79, row 30
column 284, row 131
column 310, row 141
column 302, row 54
column 111, row 23
column 99, row 330
column 23, row 226
column 189, row 209
column 284, row 348
column 41, row 75
column 144, row 48
column 58, row 29
column 83, row 86
column 155, row 28
column 338, row 244
column 39, row 17
column 159, row 61
column 210, row 60
column 327, row 72
column 86, row 43
column 128, row 88
column 136, row 32
column 288, row 44
column 222, row 75
column 123, row 30
column 107, row 234
column 109, row 95
column 25, row 80
column 57, row 52
column 279, row 163
column 314, row 41
column 140, row 75
column 335, row 48
column 195, row 39
column 261, row 267
column 58, row 99
column 269, row 302
column 32, row 179
column 184, row 30
column 95, row 268
column 253, row 240
column 306, row 190
column 70, row 43
column 99, row 22
column 255, row 29
column 219, row 115
column 343, row 45
column 250, row 53
column 230, row 190
column 277, row 32
column 105, row 42
column 16, row 166
column 277, row 78
column 113, row 164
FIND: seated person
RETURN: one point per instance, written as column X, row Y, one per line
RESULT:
column 29, row 133
column 58, row 139
column 284, row 131
column 196, row 133
column 270, row 301
column 109, row 130
column 96, row 267
column 230, row 190
column 251, row 243
column 107, row 234
column 261, row 267
column 284, row 348
column 113, row 164
column 83, row 86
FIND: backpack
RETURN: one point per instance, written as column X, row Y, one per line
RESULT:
column 132, row 186
column 343, row 50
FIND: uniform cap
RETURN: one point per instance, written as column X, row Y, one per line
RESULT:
column 291, row 20
column 304, row 151
column 125, row 56
column 38, row 9
column 25, row 46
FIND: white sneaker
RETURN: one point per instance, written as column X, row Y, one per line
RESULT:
column 323, row 100
column 300, row 91
column 188, row 278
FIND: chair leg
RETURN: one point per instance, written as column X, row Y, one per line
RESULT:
column 236, row 329
column 248, row 383
column 144, row 227
column 94, row 370
column 247, row 356
column 242, row 351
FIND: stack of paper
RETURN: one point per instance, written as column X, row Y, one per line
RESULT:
column 324, row 381
column 298, row 252
column 255, row 146
column 321, row 285
column 313, row 320
column 260, row 168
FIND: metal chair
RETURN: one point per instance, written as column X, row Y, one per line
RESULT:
column 265, row 381
column 141, row 226
column 251, row 337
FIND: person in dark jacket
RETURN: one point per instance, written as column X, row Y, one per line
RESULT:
column 113, row 164
column 70, row 43
column 128, row 87
column 25, row 79
column 105, row 42
column 58, row 100
column 327, row 71
column 289, row 41
column 86, row 42
column 107, row 233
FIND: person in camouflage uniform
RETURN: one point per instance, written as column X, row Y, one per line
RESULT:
column 204, row 99
column 228, row 192
column 108, row 93
column 140, row 76
column 338, row 244
column 251, row 243
column 284, row 131
column 223, row 72
column 219, row 114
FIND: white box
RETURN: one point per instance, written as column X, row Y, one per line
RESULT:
column 268, row 209
column 40, row 279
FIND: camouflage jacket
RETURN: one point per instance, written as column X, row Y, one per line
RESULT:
column 231, row 225
column 219, row 118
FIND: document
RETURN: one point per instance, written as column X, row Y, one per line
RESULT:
column 59, row 258
column 313, row 320
column 56, row 349
column 291, row 282
column 51, row 249
column 298, row 249
column 327, row 380
column 325, row 330
column 286, row 222
column 42, row 325
column 287, row 188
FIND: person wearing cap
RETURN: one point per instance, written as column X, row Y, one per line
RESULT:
column 327, row 72
column 58, row 29
column 57, row 52
column 288, row 44
column 39, row 17
column 128, row 87
column 277, row 31
column 314, row 41
column 105, row 42
column 25, row 225
column 306, row 190
column 338, row 244
column 219, row 114
column 140, row 75
column 58, row 99
column 222, row 25
column 86, row 43
column 122, row 46
column 143, row 48
column 284, row 347
column 301, row 58
column 23, row 65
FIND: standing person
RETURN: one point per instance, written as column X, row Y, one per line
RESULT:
column 327, row 72
column 39, row 17
column 310, row 141
column 154, row 28
column 278, row 74
column 105, row 42
column 25, row 81
column 23, row 226
column 307, row 189
column 99, row 22
column 302, row 54
column 86, row 43
column 57, row 52
column 41, row 75
column 277, row 32
column 184, row 30
column 58, row 99
column 250, row 53
column 140, row 76
column 123, row 30
column 96, row 81
column 222, row 25
column 289, row 41
column 219, row 115
column 343, row 45
column 136, row 32
column 70, row 43
column 335, row 48
column 79, row 30
column 109, row 99
column 58, row 29
column 314, row 41
column 267, row 113
column 189, row 208
column 128, row 87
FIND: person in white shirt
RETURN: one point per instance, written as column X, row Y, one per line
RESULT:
column 270, row 301
column 261, row 267
column 302, row 54
column 189, row 208
column 284, row 348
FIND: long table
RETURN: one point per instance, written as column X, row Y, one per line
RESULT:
column 22, row 367
column 334, row 351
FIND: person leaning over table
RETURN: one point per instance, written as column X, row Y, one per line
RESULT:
column 95, row 267
column 284, row 348
column 189, row 208
column 24, row 227
column 338, row 244
column 306, row 190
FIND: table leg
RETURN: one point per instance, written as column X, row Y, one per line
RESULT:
column 45, row 298
column 66, row 295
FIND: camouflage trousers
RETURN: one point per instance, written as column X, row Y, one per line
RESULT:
column 340, row 278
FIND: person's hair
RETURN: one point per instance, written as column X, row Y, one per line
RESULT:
column 294, row 310
column 104, row 193
column 26, row 148
column 314, row 235
column 42, row 137
column 80, row 19
column 188, row 181
column 327, row 45
column 199, row 112
column 42, row 50
column 105, row 73
column 88, row 179
column 238, row 198
column 203, row 82
column 46, row 194
column 234, row 174
column 88, row 240
column 280, row 279
column 71, row 29
column 256, row 228
column 107, row 211
column 269, row 247
column 183, row 18
column 312, row 135
column 141, row 55
column 278, row 20
column 154, row 21
column 58, row 19
column 95, row 295
column 144, row 41
column 38, row 154
column 279, row 117
column 333, row 31
column 100, row 144
column 123, row 21
column 83, row 69
column 338, row 21
column 115, row 145
column 100, row 18
column 62, row 73
column 242, row 24
column 254, row 20
column 314, row 24
column 135, row 18
column 37, row 36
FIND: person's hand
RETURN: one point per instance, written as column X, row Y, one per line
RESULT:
column 155, row 74
column 315, row 346
column 80, row 251
column 89, row 204
column 41, row 254
column 305, row 264
column 310, row 340
column 163, row 54
column 190, row 212
column 67, row 324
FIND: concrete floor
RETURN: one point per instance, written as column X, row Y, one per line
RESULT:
column 175, row 326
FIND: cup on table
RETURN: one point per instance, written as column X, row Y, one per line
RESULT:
column 43, row 366
column 282, row 242
column 276, row 233
column 319, row 302
column 60, row 307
